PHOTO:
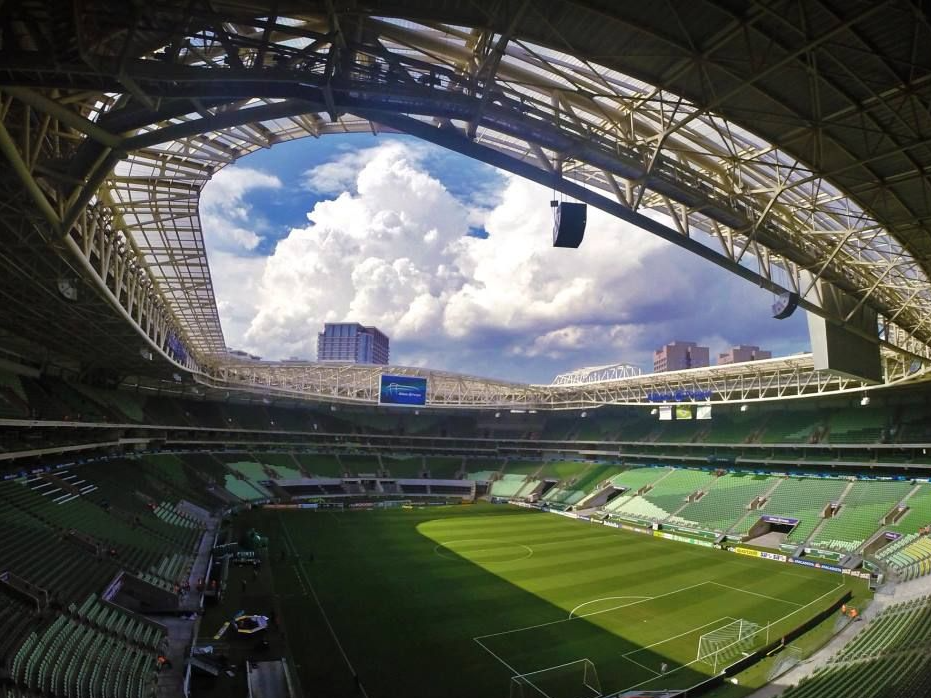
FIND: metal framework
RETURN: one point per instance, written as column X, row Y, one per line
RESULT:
column 768, row 379
column 785, row 145
column 597, row 374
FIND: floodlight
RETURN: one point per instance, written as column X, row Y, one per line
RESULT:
column 744, row 408
column 865, row 400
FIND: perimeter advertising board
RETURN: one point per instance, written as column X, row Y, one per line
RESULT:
column 410, row 391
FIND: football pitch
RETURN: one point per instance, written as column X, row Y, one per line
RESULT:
column 460, row 600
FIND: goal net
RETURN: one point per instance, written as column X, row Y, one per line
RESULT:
column 723, row 646
column 578, row 679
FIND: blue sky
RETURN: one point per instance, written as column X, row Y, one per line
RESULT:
column 453, row 260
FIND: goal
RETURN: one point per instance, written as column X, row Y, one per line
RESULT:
column 578, row 679
column 723, row 646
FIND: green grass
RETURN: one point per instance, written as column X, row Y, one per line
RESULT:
column 408, row 591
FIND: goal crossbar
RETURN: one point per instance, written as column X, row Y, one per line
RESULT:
column 727, row 642
column 580, row 672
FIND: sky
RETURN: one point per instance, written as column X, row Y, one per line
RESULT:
column 453, row 260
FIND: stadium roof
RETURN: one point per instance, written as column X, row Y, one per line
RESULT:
column 597, row 374
column 794, row 135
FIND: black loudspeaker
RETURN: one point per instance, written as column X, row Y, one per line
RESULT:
column 570, row 225
column 785, row 305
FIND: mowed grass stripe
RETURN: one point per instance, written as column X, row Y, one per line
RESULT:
column 569, row 563
column 407, row 616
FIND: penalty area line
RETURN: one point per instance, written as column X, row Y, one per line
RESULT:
column 593, row 613
column 754, row 593
column 676, row 637
column 642, row 666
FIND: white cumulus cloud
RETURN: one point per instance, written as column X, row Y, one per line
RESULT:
column 390, row 248
column 226, row 219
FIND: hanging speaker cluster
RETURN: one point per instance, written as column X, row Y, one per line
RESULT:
column 785, row 305
column 569, row 226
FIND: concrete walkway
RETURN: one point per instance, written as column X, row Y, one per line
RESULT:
column 193, row 601
column 180, row 635
column 182, row 628
column 887, row 596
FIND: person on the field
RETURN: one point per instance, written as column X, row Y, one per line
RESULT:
column 663, row 667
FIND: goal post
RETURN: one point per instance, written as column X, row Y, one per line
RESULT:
column 578, row 679
column 721, row 647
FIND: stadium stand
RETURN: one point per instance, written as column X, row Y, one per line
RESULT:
column 632, row 481
column 736, row 428
column 356, row 464
column 725, row 501
column 918, row 514
column 861, row 509
column 441, row 468
column 888, row 658
column 187, row 482
column 678, row 431
column 561, row 469
column 320, row 464
column 399, row 466
column 508, row 485
column 857, row 426
column 791, row 427
column 562, row 497
column 909, row 556
column 518, row 467
column 279, row 465
column 800, row 498
column 667, row 496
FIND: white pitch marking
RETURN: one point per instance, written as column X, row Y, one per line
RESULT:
column 510, row 668
column 644, row 666
column 676, row 637
column 446, row 544
column 593, row 613
column 605, row 598
column 765, row 596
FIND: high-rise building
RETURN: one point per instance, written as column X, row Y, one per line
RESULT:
column 353, row 343
column 744, row 352
column 679, row 355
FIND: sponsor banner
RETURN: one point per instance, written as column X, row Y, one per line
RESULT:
column 362, row 505
column 818, row 565
column 286, row 506
column 892, row 535
column 683, row 539
column 612, row 524
column 773, row 556
column 309, row 505
column 636, row 529
column 783, row 520
column 750, row 552
column 583, row 518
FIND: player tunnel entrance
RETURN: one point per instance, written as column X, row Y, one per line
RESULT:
column 780, row 525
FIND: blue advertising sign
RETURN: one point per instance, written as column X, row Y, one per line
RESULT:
column 403, row 390
column 784, row 520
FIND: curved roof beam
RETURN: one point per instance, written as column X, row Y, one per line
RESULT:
column 209, row 89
